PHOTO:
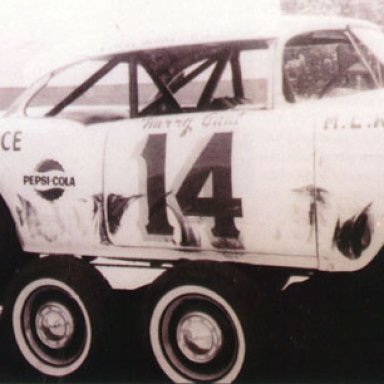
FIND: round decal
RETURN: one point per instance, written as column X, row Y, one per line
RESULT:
column 49, row 180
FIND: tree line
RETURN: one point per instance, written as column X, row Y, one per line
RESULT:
column 372, row 10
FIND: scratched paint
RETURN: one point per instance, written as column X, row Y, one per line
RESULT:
column 99, row 221
column 317, row 199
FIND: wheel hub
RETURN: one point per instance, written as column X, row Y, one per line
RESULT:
column 54, row 325
column 199, row 337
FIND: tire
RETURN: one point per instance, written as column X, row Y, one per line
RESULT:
column 54, row 312
column 199, row 326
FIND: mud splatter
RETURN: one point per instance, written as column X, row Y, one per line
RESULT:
column 29, row 217
column 116, row 206
column 99, row 217
column 354, row 236
column 188, row 236
column 228, row 243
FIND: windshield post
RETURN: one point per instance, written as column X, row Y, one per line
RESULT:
column 362, row 57
column 133, row 88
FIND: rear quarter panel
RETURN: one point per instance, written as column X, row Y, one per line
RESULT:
column 350, row 180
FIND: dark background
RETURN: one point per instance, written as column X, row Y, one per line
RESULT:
column 327, row 329
column 372, row 10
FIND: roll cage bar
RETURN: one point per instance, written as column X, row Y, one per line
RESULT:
column 218, row 55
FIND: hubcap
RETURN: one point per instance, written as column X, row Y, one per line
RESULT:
column 54, row 325
column 199, row 337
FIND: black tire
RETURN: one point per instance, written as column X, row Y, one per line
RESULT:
column 54, row 313
column 201, row 325
column 12, row 256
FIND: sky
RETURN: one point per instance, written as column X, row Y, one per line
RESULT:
column 31, row 27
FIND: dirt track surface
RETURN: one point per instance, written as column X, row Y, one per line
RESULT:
column 324, row 331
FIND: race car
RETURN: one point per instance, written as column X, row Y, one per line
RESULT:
column 206, row 168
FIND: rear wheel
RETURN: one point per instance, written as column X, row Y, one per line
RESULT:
column 199, row 327
column 55, row 313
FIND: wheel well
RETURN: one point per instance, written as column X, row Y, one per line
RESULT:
column 12, row 255
column 7, row 223
column 272, row 279
column 77, row 296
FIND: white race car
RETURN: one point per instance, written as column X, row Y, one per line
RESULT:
column 206, row 168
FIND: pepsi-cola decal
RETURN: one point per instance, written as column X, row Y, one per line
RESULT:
column 49, row 180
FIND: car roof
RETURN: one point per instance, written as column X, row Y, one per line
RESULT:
column 127, row 41
column 293, row 25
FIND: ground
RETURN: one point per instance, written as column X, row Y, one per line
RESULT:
column 324, row 330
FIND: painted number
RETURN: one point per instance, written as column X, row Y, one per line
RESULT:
column 214, row 161
column 154, row 156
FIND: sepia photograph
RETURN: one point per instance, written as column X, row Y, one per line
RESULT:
column 191, row 191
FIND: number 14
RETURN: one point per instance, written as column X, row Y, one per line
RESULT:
column 214, row 159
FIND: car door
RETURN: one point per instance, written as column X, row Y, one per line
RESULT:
column 238, row 181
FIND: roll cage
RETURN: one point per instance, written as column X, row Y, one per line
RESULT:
column 166, row 69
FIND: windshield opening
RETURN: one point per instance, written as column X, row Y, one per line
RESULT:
column 331, row 63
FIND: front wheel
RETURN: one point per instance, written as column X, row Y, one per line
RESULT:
column 55, row 314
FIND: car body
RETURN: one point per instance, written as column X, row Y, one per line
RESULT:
column 79, row 177
column 182, row 163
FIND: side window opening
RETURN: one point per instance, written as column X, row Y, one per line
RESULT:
column 220, row 78
column 256, row 86
column 88, row 85
column 163, row 81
